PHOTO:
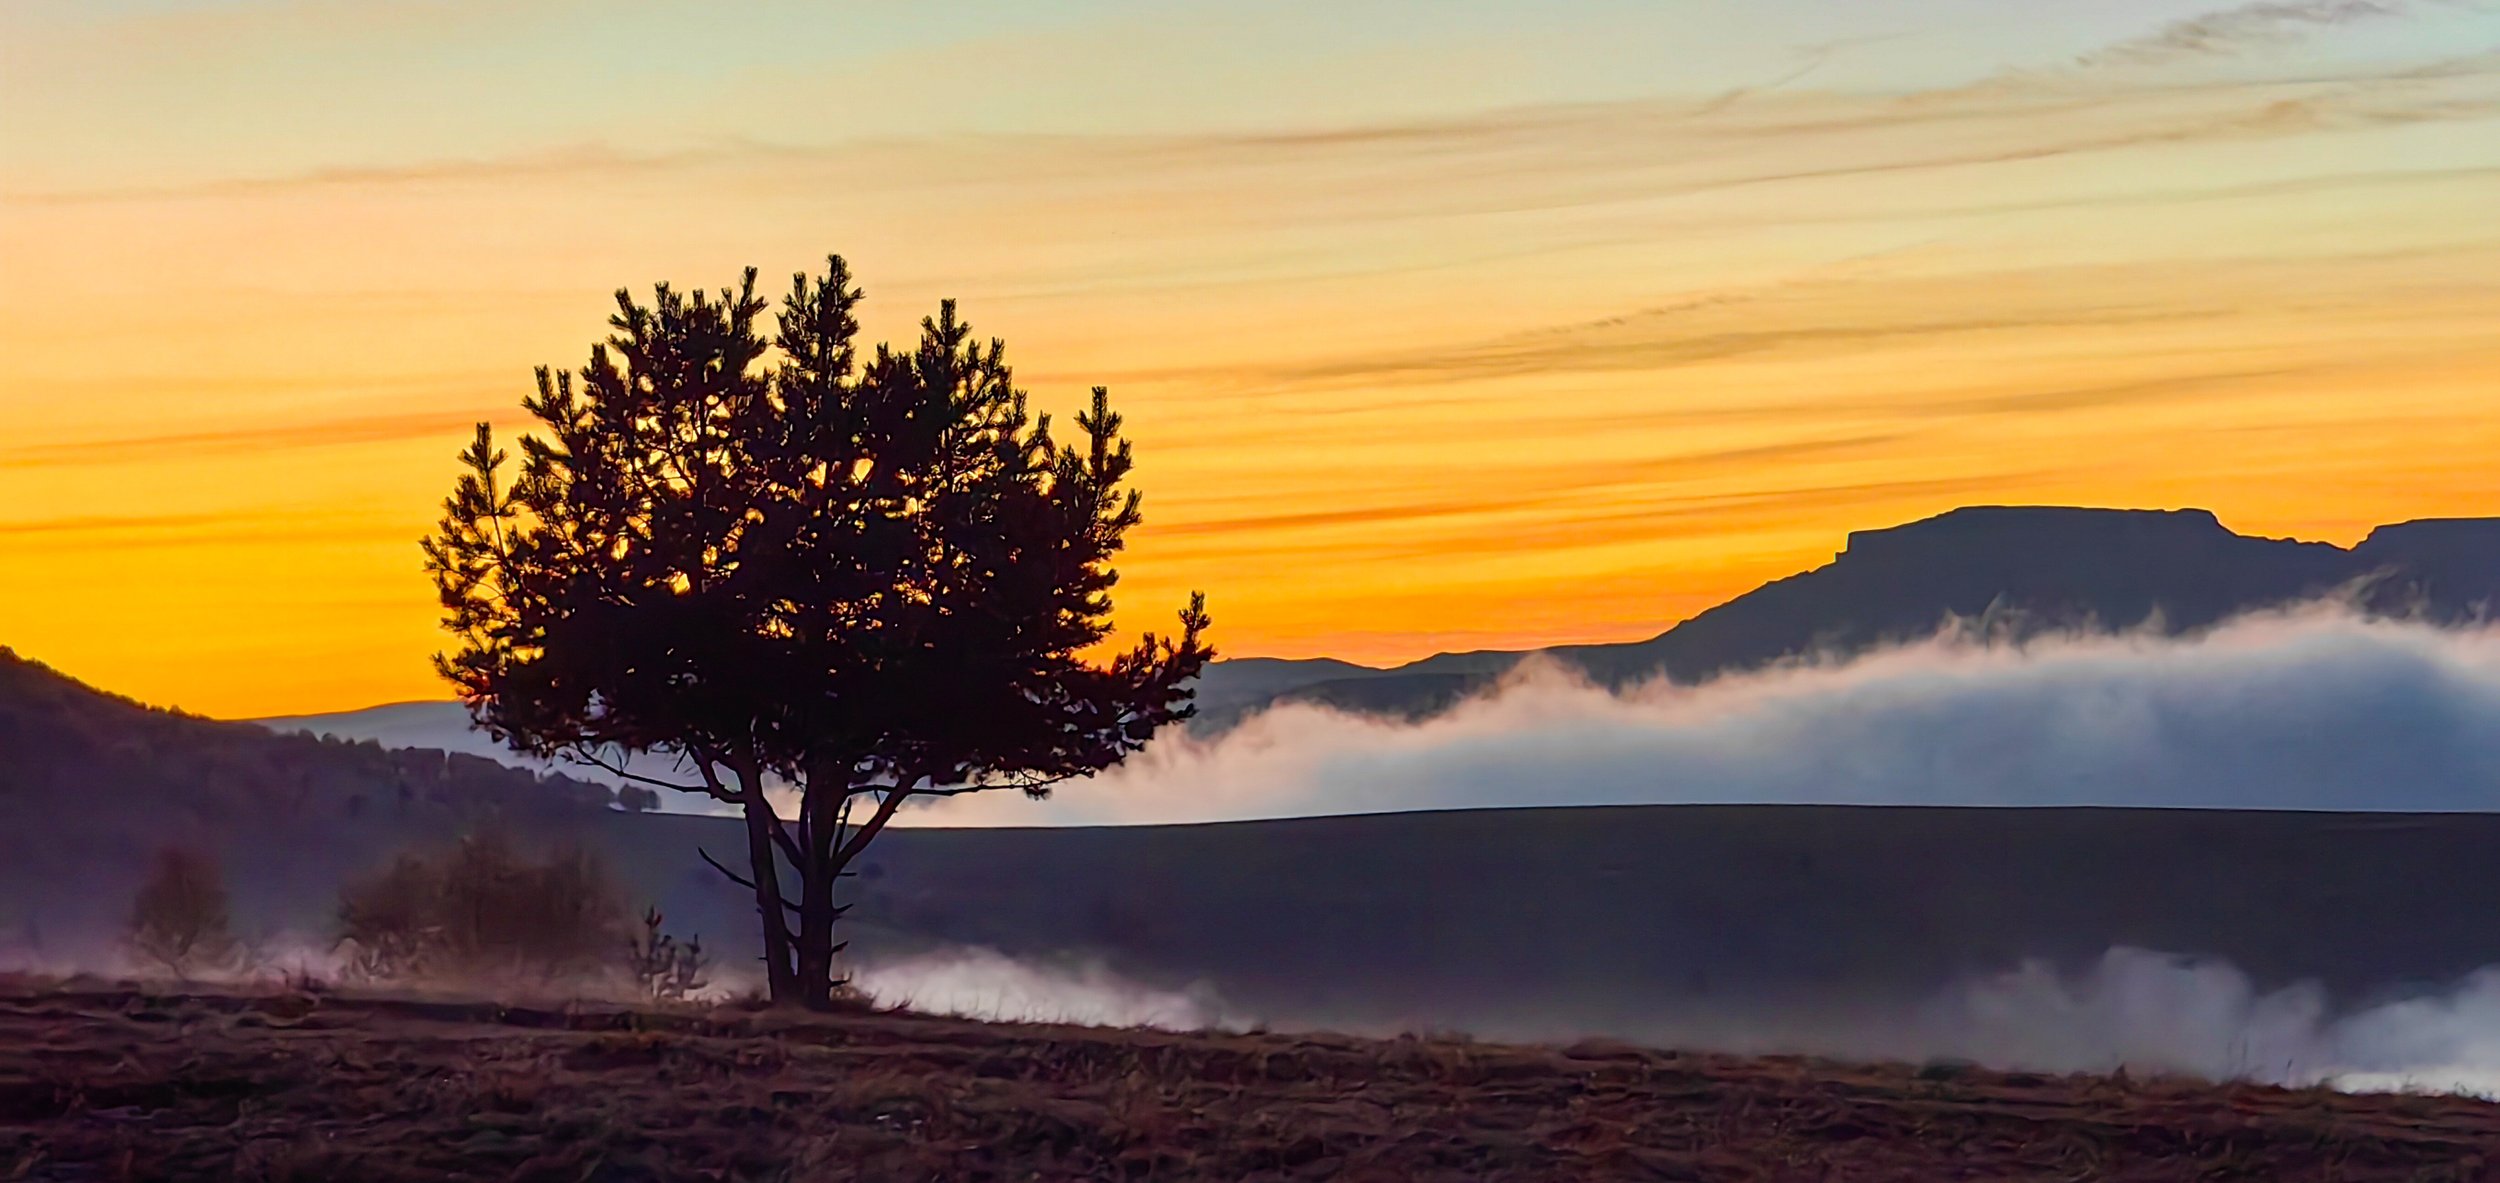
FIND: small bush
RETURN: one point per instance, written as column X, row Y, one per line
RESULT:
column 479, row 909
column 666, row 969
column 181, row 919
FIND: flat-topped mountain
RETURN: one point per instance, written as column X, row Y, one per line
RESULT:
column 2014, row 569
column 2017, row 569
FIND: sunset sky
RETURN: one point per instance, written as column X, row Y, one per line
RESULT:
column 1447, row 324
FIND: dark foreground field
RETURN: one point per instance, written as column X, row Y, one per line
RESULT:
column 111, row 1083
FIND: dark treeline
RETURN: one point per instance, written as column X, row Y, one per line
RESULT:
column 92, row 785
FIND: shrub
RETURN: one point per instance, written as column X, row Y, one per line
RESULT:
column 180, row 918
column 480, row 909
column 666, row 969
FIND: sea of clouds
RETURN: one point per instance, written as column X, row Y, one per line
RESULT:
column 2315, row 708
column 2312, row 709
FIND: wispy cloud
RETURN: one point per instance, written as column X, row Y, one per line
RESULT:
column 2267, row 24
column 80, row 524
column 1653, row 341
column 314, row 432
column 1518, row 521
column 1556, row 485
column 1515, row 158
column 121, row 534
column 572, row 162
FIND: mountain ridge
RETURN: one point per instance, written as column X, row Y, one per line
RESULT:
column 2030, row 568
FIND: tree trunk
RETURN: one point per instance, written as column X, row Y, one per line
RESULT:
column 815, row 951
column 780, row 979
column 830, row 847
column 816, row 945
column 821, row 837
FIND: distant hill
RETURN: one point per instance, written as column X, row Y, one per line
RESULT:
column 1227, row 690
column 2014, row 569
column 72, row 746
column 91, row 782
column 441, row 726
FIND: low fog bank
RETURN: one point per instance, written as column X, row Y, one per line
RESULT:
column 2132, row 1010
column 2149, row 1012
column 2136, row 1010
column 2314, row 709
column 986, row 984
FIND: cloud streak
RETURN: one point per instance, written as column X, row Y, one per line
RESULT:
column 243, row 441
column 1567, row 484
column 1655, row 340
column 2264, row 25
column 123, row 532
column 1513, row 159
column 587, row 161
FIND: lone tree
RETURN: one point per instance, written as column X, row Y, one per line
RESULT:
column 179, row 918
column 762, row 562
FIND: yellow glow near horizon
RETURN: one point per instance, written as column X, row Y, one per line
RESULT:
column 1409, row 367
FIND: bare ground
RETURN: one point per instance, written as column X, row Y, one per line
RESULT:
column 103, row 1081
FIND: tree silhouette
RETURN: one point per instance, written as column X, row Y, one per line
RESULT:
column 179, row 918
column 762, row 560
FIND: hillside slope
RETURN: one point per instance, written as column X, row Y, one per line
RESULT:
column 91, row 782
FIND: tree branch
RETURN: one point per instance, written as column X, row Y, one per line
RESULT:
column 789, row 846
column 966, row 790
column 1023, row 782
column 710, row 768
column 750, row 793
column 741, row 880
column 868, row 829
column 709, row 789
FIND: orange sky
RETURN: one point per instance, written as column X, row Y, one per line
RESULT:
column 1492, row 330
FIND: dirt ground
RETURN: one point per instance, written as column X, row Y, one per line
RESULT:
column 102, row 1081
